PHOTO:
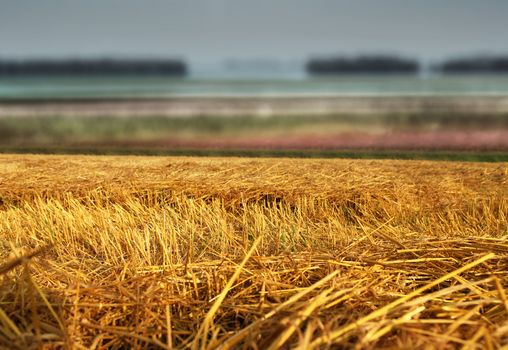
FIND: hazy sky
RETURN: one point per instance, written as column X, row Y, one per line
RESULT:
column 212, row 30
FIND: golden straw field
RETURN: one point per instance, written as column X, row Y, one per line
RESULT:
column 105, row 252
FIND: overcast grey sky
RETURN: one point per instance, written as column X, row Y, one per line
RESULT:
column 212, row 30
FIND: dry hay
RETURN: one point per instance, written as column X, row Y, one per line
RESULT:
column 114, row 252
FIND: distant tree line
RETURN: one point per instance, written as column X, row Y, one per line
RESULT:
column 397, row 65
column 92, row 67
column 362, row 64
column 479, row 64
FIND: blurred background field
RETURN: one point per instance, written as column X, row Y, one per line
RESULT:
column 334, row 79
column 245, row 124
column 370, row 113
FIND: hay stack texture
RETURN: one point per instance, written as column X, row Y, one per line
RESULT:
column 205, row 253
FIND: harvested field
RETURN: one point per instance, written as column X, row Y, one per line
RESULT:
column 204, row 253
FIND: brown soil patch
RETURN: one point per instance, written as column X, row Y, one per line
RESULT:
column 397, row 140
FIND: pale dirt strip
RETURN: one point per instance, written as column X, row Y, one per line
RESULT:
column 257, row 106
